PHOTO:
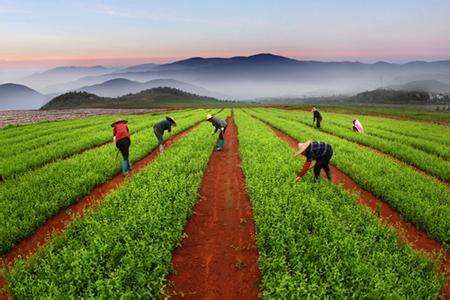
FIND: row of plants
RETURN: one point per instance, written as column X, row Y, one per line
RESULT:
column 28, row 132
column 427, row 131
column 427, row 162
column 419, row 130
column 420, row 199
column 28, row 201
column 70, row 143
column 423, row 143
column 64, row 133
column 314, row 240
column 123, row 248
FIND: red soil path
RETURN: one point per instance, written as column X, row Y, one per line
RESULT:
column 416, row 237
column 62, row 220
column 218, row 259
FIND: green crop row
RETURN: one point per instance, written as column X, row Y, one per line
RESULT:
column 417, row 118
column 28, row 201
column 73, row 142
column 429, row 163
column 439, row 133
column 43, row 140
column 423, row 143
column 419, row 199
column 123, row 248
column 314, row 240
column 419, row 130
column 28, row 132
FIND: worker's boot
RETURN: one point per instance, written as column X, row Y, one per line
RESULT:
column 128, row 164
column 161, row 148
column 124, row 167
column 329, row 175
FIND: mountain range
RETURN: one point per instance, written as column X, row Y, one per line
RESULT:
column 16, row 96
column 269, row 75
column 121, row 86
column 45, row 80
column 245, row 77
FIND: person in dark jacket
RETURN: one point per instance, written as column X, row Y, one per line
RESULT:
column 317, row 117
column 221, row 126
column 121, row 136
column 159, row 129
column 320, row 152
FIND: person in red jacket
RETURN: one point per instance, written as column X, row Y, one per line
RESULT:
column 123, row 142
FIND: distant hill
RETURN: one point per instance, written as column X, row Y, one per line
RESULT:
column 113, row 88
column 16, row 96
column 140, row 68
column 62, row 75
column 270, row 75
column 384, row 96
column 429, row 86
column 156, row 97
column 121, row 86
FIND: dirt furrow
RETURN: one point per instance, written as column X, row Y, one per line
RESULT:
column 414, row 236
column 218, row 258
column 62, row 220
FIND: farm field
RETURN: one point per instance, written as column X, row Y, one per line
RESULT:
column 401, row 112
column 427, row 155
column 22, row 117
column 197, row 223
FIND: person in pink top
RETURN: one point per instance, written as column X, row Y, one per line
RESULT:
column 357, row 126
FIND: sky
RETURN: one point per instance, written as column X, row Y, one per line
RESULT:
column 64, row 32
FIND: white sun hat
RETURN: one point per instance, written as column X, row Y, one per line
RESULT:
column 302, row 146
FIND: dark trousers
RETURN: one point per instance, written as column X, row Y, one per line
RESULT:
column 323, row 163
column 124, row 147
column 221, row 133
column 159, row 135
column 221, row 140
column 318, row 123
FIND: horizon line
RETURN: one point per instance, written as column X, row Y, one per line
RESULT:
column 130, row 60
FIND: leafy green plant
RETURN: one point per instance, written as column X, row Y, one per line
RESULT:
column 123, row 248
column 420, row 199
column 27, row 132
column 395, row 146
column 27, row 201
column 420, row 136
column 314, row 240
column 45, row 149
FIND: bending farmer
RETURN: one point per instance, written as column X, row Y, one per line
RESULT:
column 320, row 152
column 317, row 117
column 357, row 126
column 159, row 129
column 122, row 138
column 220, row 126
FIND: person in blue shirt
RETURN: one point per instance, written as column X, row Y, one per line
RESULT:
column 320, row 152
column 219, row 125
column 159, row 129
